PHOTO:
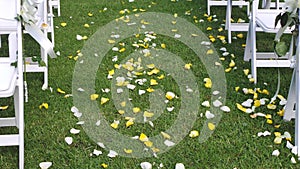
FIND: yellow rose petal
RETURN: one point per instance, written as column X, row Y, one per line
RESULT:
column 194, row 133
column 240, row 35
column 277, row 134
column 60, row 91
column 136, row 109
column 123, row 104
column 209, row 52
column 44, row 105
column 104, row 100
column 148, row 114
column 111, row 72
column 153, row 82
column 121, row 111
column 151, row 66
column 148, row 143
column 271, row 106
column 268, row 116
column 63, row 24
column 115, row 124
column 86, row 25
column 163, row 46
column 161, row 76
column 104, row 165
column 277, row 140
column 257, row 103
column 143, row 137
column 232, row 63
column 211, row 126
column 122, row 50
column 165, row 135
column 188, row 66
column 281, row 112
column 269, row 121
column 208, row 83
column 209, row 28
column 111, row 41
column 94, row 96
column 129, row 123
column 150, row 90
column 128, row 151
column 3, row 107
column 170, row 95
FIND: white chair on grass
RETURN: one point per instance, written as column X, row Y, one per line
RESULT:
column 45, row 23
column 11, row 76
column 263, row 20
column 244, row 26
column 292, row 108
column 54, row 4
column 239, row 3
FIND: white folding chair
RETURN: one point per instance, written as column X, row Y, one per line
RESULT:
column 239, row 3
column 263, row 20
column 292, row 108
column 45, row 23
column 54, row 4
column 11, row 76
column 244, row 27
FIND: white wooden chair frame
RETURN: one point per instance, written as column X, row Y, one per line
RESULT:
column 239, row 3
column 244, row 27
column 11, row 79
column 263, row 20
column 292, row 109
column 45, row 18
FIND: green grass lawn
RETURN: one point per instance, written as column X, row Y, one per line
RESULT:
column 234, row 142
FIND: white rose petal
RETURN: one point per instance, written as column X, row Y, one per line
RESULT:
column 225, row 109
column 80, row 123
column 130, row 86
column 98, row 123
column 170, row 109
column 293, row 160
column 80, row 89
column 101, row 145
column 146, row 165
column 217, row 103
column 294, row 150
column 112, row 153
column 45, row 165
column 275, row 153
column 69, row 140
column 142, row 92
column 97, row 152
column 177, row 36
column 247, row 103
column 179, row 166
column 223, row 49
column 169, row 143
column 216, row 92
column 209, row 115
column 115, row 49
column 74, row 131
column 78, row 37
column 289, row 145
column 206, row 104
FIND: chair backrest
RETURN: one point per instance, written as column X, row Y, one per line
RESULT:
column 265, row 17
column 8, row 13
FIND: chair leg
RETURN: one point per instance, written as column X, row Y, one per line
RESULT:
column 19, row 113
column 289, row 109
column 58, row 7
column 228, row 20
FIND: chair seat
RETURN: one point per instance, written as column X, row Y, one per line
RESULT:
column 8, row 76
